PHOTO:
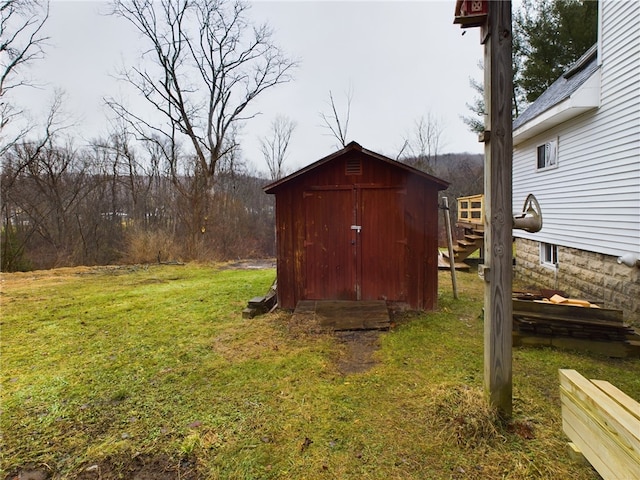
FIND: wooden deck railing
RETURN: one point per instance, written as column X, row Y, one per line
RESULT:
column 471, row 209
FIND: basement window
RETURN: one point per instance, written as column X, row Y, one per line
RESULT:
column 549, row 255
column 547, row 155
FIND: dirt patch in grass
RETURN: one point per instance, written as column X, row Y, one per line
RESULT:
column 140, row 467
column 255, row 264
column 356, row 348
column 357, row 352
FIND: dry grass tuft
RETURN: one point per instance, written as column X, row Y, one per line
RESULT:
column 465, row 416
column 300, row 325
column 150, row 247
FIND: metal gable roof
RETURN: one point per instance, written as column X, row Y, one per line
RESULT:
column 353, row 146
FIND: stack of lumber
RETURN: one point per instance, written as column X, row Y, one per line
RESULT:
column 603, row 423
column 264, row 304
column 558, row 299
column 562, row 323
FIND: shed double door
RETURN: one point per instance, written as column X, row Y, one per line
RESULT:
column 355, row 243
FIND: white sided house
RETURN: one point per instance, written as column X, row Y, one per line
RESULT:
column 577, row 149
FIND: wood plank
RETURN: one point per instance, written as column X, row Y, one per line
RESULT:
column 595, row 445
column 452, row 266
column 472, row 224
column 619, row 396
column 250, row 312
column 344, row 315
column 567, row 312
column 466, row 243
column 443, row 264
column 532, row 320
column 353, row 315
column 605, row 431
column 616, row 417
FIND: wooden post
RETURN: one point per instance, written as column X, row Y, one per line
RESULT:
column 497, row 270
column 452, row 263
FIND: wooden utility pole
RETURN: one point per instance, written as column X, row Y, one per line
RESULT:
column 498, row 264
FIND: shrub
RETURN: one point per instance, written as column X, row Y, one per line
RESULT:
column 143, row 246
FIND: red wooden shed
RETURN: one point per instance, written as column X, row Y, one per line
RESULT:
column 357, row 225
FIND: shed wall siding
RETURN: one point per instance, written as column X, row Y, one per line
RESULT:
column 418, row 217
column 591, row 201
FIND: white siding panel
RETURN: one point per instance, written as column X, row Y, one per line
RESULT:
column 591, row 200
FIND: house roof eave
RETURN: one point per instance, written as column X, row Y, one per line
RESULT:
column 585, row 98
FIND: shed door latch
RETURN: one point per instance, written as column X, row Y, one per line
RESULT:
column 357, row 228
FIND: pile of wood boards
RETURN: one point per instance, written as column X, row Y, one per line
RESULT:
column 603, row 423
column 557, row 299
column 261, row 305
column 560, row 322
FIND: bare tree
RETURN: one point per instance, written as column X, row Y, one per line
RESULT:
column 47, row 197
column 206, row 64
column 21, row 42
column 338, row 124
column 17, row 158
column 274, row 147
column 422, row 146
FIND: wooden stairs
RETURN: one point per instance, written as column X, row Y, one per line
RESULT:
column 473, row 240
column 470, row 218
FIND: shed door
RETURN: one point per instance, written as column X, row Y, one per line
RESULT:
column 330, row 247
column 382, row 252
column 356, row 244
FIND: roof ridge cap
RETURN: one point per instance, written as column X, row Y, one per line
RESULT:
column 581, row 62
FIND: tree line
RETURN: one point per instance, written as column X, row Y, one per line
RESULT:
column 170, row 185
column 111, row 202
column 164, row 185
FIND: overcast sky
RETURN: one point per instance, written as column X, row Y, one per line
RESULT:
column 401, row 60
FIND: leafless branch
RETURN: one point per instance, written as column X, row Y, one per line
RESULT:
column 338, row 125
column 205, row 65
column 424, row 142
column 21, row 42
column 274, row 147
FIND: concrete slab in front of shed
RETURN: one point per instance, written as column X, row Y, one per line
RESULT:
column 340, row 315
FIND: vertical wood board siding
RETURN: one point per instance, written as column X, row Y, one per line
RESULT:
column 396, row 257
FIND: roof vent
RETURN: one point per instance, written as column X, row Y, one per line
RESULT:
column 354, row 166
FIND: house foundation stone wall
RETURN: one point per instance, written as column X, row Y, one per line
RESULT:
column 581, row 274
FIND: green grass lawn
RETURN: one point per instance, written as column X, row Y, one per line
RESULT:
column 107, row 371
